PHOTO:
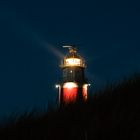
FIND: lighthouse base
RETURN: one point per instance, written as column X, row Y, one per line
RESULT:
column 71, row 92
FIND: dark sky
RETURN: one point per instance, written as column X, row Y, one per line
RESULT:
column 107, row 34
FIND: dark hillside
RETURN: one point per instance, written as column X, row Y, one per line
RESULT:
column 111, row 114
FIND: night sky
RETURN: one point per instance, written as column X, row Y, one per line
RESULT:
column 31, row 37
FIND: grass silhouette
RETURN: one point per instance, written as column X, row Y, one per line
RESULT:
column 113, row 113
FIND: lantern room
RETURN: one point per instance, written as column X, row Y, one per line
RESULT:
column 72, row 59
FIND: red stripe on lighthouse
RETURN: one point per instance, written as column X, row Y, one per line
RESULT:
column 70, row 90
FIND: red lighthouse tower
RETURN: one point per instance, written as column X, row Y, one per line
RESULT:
column 74, row 85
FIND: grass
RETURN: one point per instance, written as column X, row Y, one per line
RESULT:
column 112, row 113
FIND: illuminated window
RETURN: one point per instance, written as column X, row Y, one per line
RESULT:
column 73, row 61
column 85, row 91
column 70, row 90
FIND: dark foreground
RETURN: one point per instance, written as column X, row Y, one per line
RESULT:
column 112, row 114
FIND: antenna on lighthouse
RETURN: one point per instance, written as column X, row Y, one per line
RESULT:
column 71, row 48
column 67, row 46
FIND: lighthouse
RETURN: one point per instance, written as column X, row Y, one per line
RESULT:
column 73, row 86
